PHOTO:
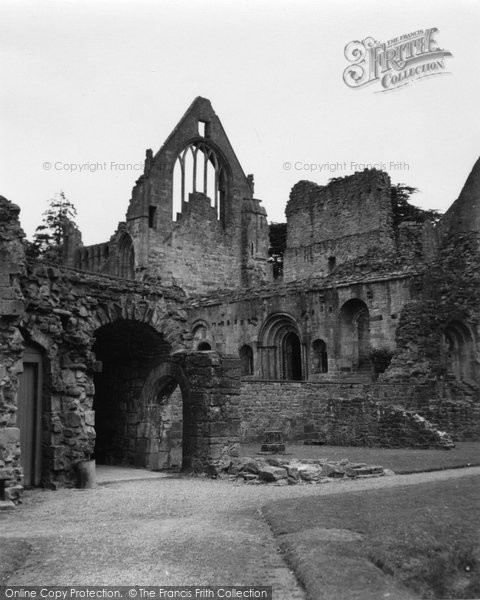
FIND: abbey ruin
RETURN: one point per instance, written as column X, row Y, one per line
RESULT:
column 177, row 333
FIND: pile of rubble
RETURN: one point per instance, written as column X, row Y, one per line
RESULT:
column 282, row 471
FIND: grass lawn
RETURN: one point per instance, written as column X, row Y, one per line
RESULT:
column 400, row 460
column 424, row 538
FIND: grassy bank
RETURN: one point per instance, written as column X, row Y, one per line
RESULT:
column 423, row 538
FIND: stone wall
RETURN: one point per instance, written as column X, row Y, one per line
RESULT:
column 211, row 419
column 88, row 327
column 329, row 225
column 356, row 414
column 12, row 261
column 64, row 312
column 447, row 293
column 233, row 319
column 216, row 237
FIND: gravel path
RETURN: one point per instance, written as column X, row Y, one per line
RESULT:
column 169, row 531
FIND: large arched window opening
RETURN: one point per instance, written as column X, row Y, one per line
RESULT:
column 459, row 351
column 198, row 168
column 126, row 257
column 280, row 349
column 246, row 360
column 319, row 357
column 354, row 339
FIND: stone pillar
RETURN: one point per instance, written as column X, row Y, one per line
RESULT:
column 12, row 265
column 211, row 428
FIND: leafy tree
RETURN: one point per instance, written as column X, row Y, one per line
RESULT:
column 49, row 235
column 404, row 211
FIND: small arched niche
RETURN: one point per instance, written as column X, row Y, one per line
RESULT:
column 459, row 351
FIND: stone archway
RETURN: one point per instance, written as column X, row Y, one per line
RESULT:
column 354, row 336
column 127, row 350
column 159, row 432
column 280, row 347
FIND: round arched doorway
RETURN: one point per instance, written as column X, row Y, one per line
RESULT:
column 280, row 348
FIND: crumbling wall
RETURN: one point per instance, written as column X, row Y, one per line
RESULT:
column 12, row 261
column 448, row 290
column 211, row 420
column 348, row 414
column 203, row 248
column 210, row 242
column 63, row 311
column 235, row 319
column 329, row 225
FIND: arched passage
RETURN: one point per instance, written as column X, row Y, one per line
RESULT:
column 128, row 351
column 280, row 347
column 459, row 351
column 160, row 425
column 354, row 336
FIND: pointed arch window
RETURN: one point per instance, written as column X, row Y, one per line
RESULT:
column 126, row 257
column 198, row 168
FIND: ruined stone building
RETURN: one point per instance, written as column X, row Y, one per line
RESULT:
column 174, row 333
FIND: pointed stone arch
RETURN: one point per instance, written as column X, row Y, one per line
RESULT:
column 201, row 167
column 126, row 257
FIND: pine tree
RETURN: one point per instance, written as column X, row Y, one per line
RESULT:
column 49, row 235
column 404, row 211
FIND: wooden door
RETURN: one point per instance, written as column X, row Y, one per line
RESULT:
column 29, row 416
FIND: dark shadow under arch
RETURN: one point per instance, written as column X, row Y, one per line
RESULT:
column 128, row 350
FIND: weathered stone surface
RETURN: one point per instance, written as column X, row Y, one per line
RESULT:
column 349, row 414
column 310, row 472
column 295, row 471
column 269, row 474
column 334, row 471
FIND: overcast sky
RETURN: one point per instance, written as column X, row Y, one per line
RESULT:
column 99, row 82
